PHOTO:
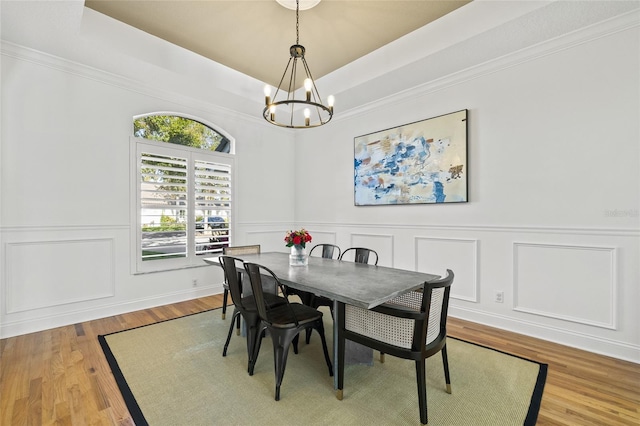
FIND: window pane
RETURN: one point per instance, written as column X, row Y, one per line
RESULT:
column 212, row 194
column 164, row 203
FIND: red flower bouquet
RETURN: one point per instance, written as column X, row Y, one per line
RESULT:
column 297, row 238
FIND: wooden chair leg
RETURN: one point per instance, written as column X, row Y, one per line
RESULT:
column 445, row 363
column 422, row 389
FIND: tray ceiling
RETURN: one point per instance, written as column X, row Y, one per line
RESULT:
column 254, row 37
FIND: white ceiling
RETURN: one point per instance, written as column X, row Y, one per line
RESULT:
column 254, row 37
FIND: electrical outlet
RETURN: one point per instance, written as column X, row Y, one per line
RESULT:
column 499, row 297
column 195, row 283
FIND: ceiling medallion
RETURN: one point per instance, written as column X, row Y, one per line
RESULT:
column 304, row 4
column 308, row 111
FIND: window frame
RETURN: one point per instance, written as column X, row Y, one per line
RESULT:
column 137, row 146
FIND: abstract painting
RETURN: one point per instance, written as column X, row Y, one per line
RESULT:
column 418, row 163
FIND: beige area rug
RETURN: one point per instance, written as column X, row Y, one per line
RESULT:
column 173, row 373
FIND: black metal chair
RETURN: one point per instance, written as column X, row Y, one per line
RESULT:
column 361, row 255
column 245, row 306
column 235, row 251
column 284, row 323
column 411, row 326
column 328, row 250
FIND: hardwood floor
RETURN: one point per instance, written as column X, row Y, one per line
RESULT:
column 582, row 388
column 60, row 376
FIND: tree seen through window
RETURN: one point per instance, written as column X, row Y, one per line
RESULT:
column 181, row 131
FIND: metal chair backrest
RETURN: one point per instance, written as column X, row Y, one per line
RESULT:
column 328, row 250
column 231, row 276
column 255, row 272
column 361, row 254
column 239, row 251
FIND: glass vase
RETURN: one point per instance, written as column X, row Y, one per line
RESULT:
column 298, row 256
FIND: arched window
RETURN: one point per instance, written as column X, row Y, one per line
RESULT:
column 183, row 191
column 180, row 131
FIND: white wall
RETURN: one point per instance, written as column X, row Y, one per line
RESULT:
column 65, row 205
column 553, row 171
column 554, row 186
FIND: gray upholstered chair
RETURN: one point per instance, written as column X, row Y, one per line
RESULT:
column 411, row 326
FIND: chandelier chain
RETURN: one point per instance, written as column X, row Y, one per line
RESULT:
column 297, row 22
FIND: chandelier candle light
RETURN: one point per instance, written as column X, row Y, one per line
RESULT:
column 298, row 240
column 311, row 105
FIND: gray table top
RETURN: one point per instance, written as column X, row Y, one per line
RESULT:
column 353, row 283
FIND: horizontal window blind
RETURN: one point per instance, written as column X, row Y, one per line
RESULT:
column 164, row 205
column 212, row 206
column 184, row 205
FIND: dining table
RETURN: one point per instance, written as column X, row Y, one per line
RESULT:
column 342, row 281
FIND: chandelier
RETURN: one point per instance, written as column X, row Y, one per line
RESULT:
column 307, row 111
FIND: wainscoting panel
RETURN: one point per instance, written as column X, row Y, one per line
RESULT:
column 38, row 273
column 322, row 237
column 436, row 255
column 382, row 244
column 581, row 288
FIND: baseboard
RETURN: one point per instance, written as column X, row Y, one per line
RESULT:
column 573, row 339
column 32, row 325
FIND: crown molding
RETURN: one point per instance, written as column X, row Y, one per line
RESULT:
column 623, row 22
